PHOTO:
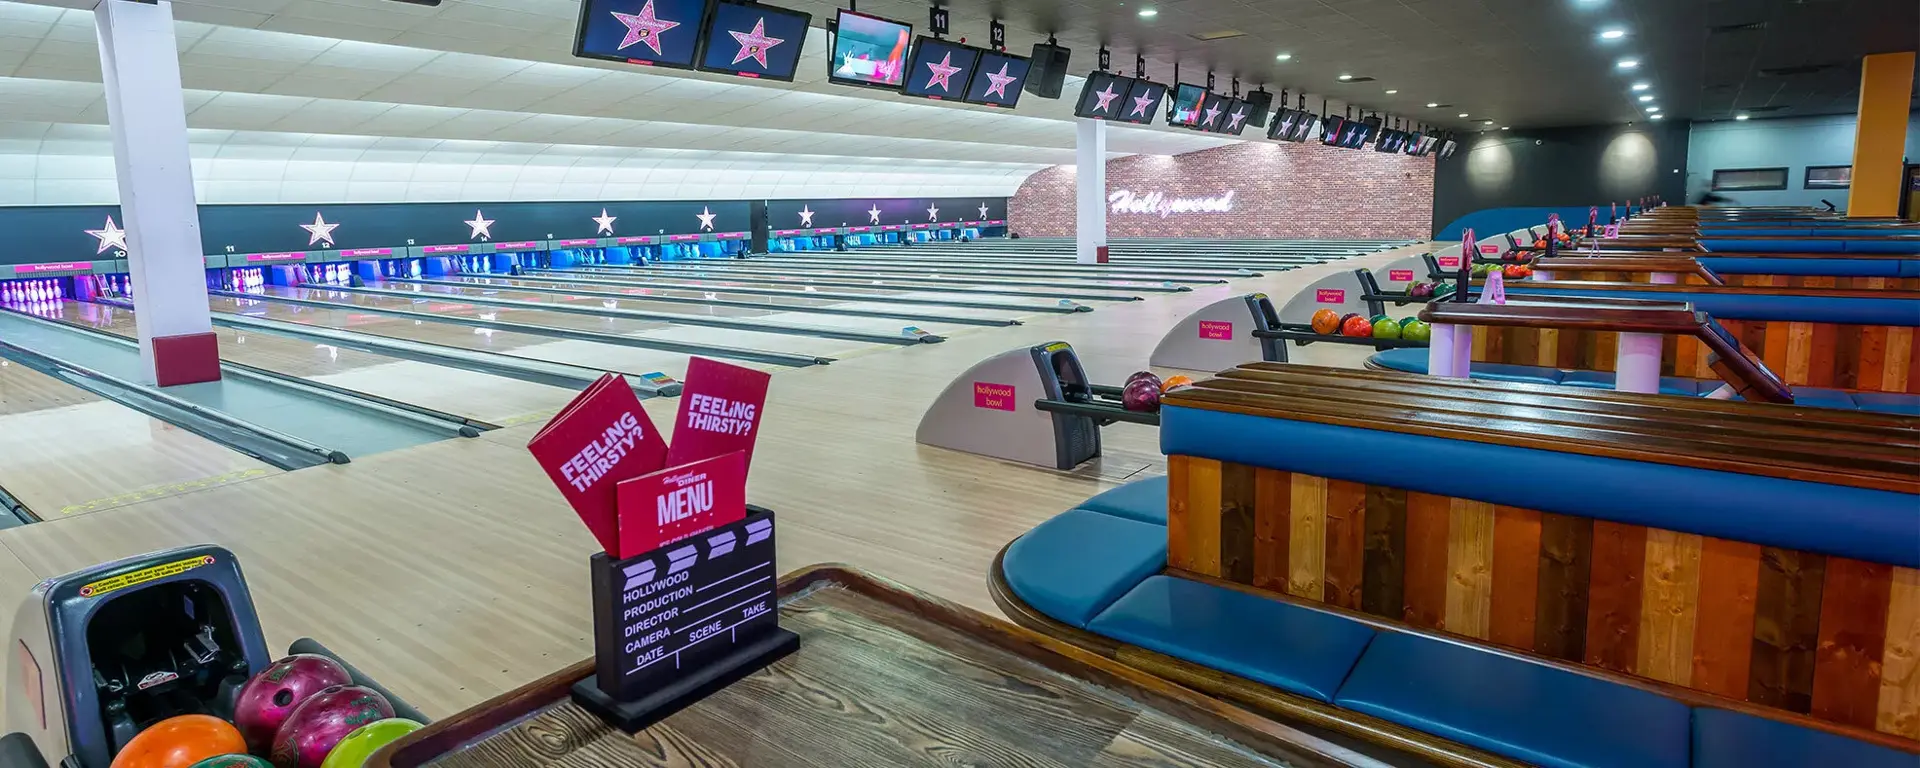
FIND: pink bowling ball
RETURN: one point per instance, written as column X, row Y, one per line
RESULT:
column 319, row 724
column 270, row 697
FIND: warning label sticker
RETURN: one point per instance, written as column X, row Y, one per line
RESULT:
column 144, row 575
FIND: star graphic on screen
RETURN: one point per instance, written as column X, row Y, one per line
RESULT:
column 480, row 225
column 997, row 81
column 706, row 218
column 644, row 27
column 933, row 212
column 1105, row 97
column 754, row 44
column 806, row 216
column 1233, row 123
column 319, row 231
column 1213, row 116
column 1140, row 104
column 942, row 73
column 983, row 210
column 110, row 237
column 605, row 223
column 874, row 214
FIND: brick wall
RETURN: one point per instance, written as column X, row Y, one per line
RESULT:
column 1280, row 190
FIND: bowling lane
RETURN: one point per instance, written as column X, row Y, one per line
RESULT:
column 584, row 353
column 489, row 398
column 748, row 268
column 106, row 455
column 834, row 297
column 636, row 297
column 860, row 284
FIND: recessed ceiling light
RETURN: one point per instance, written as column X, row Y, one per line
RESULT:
column 1344, row 78
column 1284, row 57
column 1742, row 116
column 1489, row 122
column 1651, row 110
column 1463, row 114
column 1148, row 13
column 1613, row 34
column 1391, row 91
column 1655, row 117
column 1506, row 127
column 1628, row 63
column 1646, row 98
column 1432, row 104
column 1641, row 86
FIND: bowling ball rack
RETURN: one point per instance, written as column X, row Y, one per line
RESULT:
column 1098, row 402
column 1302, row 334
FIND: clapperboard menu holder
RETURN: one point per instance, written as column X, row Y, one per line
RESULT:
column 683, row 621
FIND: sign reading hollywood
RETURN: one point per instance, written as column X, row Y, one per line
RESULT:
column 1157, row 203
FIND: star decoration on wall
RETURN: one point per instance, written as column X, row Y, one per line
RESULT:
column 874, row 214
column 1105, row 97
column 706, row 218
column 480, row 225
column 644, row 27
column 983, row 210
column 319, row 231
column 604, row 223
column 933, row 212
column 111, row 236
column 997, row 82
column 806, row 216
column 1233, row 122
column 1140, row 105
column 942, row 73
column 754, row 44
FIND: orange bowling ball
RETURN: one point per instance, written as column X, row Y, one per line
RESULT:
column 1326, row 321
column 1175, row 381
column 179, row 742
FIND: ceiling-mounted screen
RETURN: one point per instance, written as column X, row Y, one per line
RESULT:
column 1303, row 127
column 1213, row 111
column 1368, row 128
column 998, row 79
column 1237, row 116
column 1280, row 127
column 1103, row 96
column 1333, row 130
column 1259, row 106
column 868, row 51
column 661, row 33
column 1412, row 145
column 1143, row 102
column 1390, row 141
column 1186, row 104
column 754, row 40
column 940, row 69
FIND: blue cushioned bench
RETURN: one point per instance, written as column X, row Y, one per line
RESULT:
column 1734, row 304
column 1762, row 264
column 1414, row 360
column 1818, row 245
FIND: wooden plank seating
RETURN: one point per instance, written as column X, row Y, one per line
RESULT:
column 1743, row 560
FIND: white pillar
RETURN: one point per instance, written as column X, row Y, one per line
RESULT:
column 140, row 64
column 1090, row 199
column 1450, row 351
column 1636, row 366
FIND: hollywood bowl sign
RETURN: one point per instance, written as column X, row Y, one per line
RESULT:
column 1125, row 201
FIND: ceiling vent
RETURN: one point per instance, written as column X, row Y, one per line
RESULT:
column 1358, row 79
column 1805, row 69
column 1727, row 29
column 1768, row 108
column 1222, row 34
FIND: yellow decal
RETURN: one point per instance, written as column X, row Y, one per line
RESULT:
column 1055, row 347
column 144, row 575
column 1259, row 297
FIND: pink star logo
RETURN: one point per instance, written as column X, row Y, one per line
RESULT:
column 1140, row 104
column 1233, row 123
column 644, row 28
column 1213, row 117
column 942, row 72
column 754, row 44
column 997, row 82
column 1105, row 97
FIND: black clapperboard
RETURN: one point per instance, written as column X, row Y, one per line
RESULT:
column 678, row 623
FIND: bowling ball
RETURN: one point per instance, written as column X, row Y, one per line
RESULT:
column 323, row 720
column 1421, row 290
column 1326, row 321
column 1141, row 396
column 1137, row 375
column 1144, row 376
column 265, row 701
column 1356, row 325
column 1175, row 381
column 1406, row 321
column 233, row 761
column 179, row 742
column 1386, row 329
column 1418, row 331
column 353, row 751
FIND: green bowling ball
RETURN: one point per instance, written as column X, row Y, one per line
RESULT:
column 1386, row 328
column 1418, row 331
column 362, row 742
column 1406, row 321
column 233, row 761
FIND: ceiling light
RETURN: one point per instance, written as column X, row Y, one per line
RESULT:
column 1628, row 63
column 1463, row 114
column 1651, row 110
column 1344, row 78
column 1641, row 86
column 1284, row 57
column 1506, row 127
column 1391, row 91
column 1148, row 13
column 1613, row 34
column 1489, row 122
column 1656, row 117
column 1432, row 104
column 1646, row 98
column 1742, row 116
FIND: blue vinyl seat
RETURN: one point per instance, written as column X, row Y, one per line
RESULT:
column 1073, row 566
column 1142, row 500
column 1727, row 739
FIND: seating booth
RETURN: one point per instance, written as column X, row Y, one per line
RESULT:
column 1499, row 574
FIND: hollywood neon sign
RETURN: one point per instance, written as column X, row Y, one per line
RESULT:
column 1125, row 201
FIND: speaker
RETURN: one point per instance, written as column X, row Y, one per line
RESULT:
column 1260, row 103
column 1048, row 72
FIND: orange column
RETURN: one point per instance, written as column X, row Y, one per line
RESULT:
column 1879, row 140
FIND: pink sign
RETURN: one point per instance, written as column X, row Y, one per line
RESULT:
column 858, row 229
column 523, row 245
column 663, row 507
column 681, row 238
column 1330, row 295
column 788, row 231
column 444, row 249
column 1399, row 275
column 996, row 396
column 734, row 235
column 357, row 253
column 600, row 439
column 571, row 243
column 919, row 226
column 256, row 257
column 720, row 411
column 1489, row 249
column 826, row 231
column 64, row 266
column 1449, row 261
column 631, row 240
column 1216, row 330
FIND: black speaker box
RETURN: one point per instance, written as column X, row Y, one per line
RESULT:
column 1048, row 72
column 1260, row 104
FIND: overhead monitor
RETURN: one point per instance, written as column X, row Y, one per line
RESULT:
column 1368, row 128
column 1446, row 147
column 998, row 79
column 1237, row 116
column 661, row 33
column 1213, row 111
column 754, row 40
column 868, row 51
column 1186, row 104
column 1413, row 143
column 1259, row 104
column 1103, row 96
column 1303, row 128
column 1390, row 141
column 1332, row 130
column 1280, row 128
column 1143, row 102
column 940, row 69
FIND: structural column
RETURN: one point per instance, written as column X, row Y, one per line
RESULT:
column 140, row 64
column 1090, row 193
column 1880, row 136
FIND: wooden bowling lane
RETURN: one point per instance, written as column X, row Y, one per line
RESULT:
column 520, row 344
column 870, row 284
column 743, row 270
column 1063, row 277
column 488, row 398
column 895, row 300
column 638, row 299
column 66, row 451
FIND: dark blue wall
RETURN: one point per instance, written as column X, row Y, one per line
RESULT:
column 1509, row 174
